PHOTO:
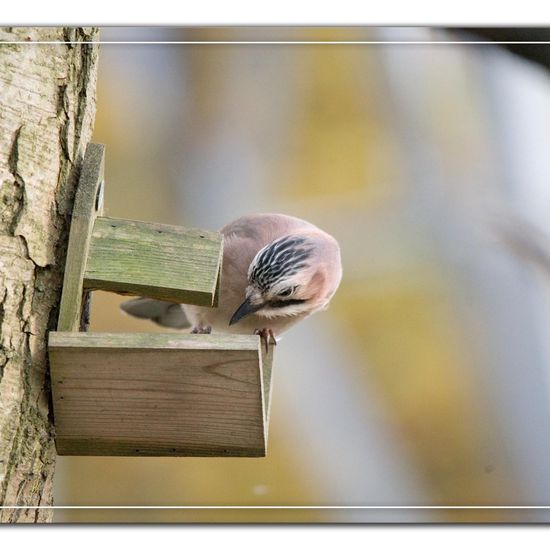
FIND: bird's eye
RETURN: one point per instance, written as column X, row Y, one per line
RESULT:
column 285, row 292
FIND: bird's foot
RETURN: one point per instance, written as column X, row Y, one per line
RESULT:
column 267, row 336
column 201, row 330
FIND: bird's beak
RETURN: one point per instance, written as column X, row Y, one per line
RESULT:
column 246, row 308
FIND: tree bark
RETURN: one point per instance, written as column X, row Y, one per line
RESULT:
column 47, row 108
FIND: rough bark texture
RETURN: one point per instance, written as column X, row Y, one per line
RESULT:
column 47, row 108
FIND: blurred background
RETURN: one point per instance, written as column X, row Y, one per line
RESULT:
column 427, row 382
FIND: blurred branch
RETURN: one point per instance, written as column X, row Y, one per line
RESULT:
column 527, row 242
column 538, row 53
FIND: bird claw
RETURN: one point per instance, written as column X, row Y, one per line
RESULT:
column 267, row 336
column 201, row 330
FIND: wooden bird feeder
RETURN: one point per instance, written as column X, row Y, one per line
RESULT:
column 127, row 394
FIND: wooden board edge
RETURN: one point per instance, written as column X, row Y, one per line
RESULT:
column 67, row 446
column 155, row 340
column 266, row 383
column 176, row 295
column 218, row 281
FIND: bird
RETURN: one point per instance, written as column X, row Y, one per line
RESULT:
column 277, row 270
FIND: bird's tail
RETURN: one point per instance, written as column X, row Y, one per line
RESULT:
column 165, row 314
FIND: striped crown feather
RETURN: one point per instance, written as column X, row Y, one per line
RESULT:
column 279, row 260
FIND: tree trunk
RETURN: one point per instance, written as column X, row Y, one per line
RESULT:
column 47, row 108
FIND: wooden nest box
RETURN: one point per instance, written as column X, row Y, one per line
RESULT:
column 121, row 394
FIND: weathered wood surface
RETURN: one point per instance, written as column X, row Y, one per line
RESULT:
column 158, row 394
column 87, row 206
column 153, row 260
column 47, row 109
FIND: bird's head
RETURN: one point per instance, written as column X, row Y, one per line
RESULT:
column 286, row 278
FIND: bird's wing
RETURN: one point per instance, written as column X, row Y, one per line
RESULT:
column 165, row 314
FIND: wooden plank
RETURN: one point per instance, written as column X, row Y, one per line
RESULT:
column 154, row 260
column 157, row 394
column 87, row 205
